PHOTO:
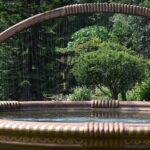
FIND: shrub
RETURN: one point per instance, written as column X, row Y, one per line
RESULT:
column 144, row 91
column 81, row 93
column 102, row 92
column 133, row 94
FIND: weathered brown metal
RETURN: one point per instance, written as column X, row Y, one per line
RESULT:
column 83, row 136
column 5, row 105
column 73, row 10
column 76, row 135
column 105, row 104
column 113, row 104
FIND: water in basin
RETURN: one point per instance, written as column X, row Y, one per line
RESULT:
column 77, row 115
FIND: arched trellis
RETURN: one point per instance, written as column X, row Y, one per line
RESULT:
column 72, row 10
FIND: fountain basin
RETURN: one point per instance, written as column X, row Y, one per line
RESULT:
column 94, row 125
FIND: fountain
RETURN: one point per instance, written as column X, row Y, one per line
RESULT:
column 18, row 133
column 75, row 134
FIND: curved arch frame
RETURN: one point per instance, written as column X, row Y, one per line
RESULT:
column 72, row 10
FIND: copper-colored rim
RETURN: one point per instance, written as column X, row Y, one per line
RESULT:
column 94, row 135
column 132, row 105
column 77, row 135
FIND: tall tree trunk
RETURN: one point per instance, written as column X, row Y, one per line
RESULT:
column 33, row 57
column 115, row 94
column 123, row 95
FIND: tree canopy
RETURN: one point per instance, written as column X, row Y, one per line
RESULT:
column 117, row 70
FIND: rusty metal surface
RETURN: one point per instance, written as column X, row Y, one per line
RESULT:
column 113, row 104
column 72, row 10
column 77, row 135
column 105, row 104
column 104, row 135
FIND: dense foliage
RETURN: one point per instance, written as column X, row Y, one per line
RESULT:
column 81, row 94
column 38, row 60
column 119, row 71
column 144, row 90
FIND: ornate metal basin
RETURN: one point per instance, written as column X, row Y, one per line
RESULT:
column 75, row 135
column 26, row 135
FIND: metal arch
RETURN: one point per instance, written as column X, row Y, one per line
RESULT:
column 72, row 10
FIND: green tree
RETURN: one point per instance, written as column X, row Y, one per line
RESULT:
column 31, row 51
column 25, row 56
column 133, row 32
column 117, row 70
column 87, row 34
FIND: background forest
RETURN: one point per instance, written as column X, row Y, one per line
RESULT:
column 82, row 57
